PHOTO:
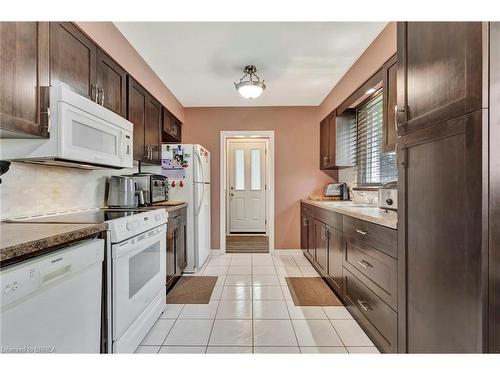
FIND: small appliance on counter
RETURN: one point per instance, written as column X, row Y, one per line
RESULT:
column 122, row 192
column 337, row 190
column 388, row 195
column 154, row 187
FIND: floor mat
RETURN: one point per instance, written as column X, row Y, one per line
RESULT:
column 192, row 290
column 247, row 244
column 311, row 291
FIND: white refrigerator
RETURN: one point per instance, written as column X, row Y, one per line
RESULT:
column 187, row 167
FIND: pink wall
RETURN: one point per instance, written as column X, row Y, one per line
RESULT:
column 296, row 129
column 381, row 49
column 297, row 171
column 111, row 40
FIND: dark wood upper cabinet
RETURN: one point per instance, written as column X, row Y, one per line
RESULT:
column 439, row 72
column 145, row 112
column 324, row 144
column 111, row 84
column 389, row 130
column 24, row 76
column 172, row 128
column 152, row 130
column 136, row 114
column 72, row 58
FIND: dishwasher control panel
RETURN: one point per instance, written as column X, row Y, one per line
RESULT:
column 20, row 280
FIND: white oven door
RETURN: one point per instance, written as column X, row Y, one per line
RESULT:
column 139, row 273
column 87, row 138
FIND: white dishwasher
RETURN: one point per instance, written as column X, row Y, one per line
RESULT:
column 52, row 303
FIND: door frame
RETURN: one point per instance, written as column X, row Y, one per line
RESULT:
column 224, row 136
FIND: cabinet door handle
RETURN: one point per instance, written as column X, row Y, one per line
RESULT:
column 102, row 96
column 92, row 91
column 396, row 117
column 364, row 263
column 396, row 110
column 48, row 120
column 363, row 305
column 362, row 232
column 146, row 152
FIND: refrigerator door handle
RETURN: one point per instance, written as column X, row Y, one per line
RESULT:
column 202, row 183
column 200, row 201
column 200, row 167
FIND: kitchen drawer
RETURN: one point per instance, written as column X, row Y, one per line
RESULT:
column 373, row 314
column 326, row 216
column 374, row 268
column 377, row 236
column 177, row 216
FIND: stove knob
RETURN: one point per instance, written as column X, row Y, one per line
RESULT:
column 389, row 201
column 130, row 226
column 156, row 183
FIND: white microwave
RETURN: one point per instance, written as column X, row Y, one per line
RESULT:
column 82, row 134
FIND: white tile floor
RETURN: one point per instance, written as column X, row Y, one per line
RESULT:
column 251, row 311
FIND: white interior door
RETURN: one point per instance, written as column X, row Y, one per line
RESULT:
column 247, row 185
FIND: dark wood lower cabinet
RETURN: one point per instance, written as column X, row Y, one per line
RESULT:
column 181, row 245
column 321, row 254
column 335, row 258
column 363, row 276
column 441, row 178
column 176, row 245
column 374, row 315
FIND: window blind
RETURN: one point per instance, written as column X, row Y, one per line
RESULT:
column 374, row 167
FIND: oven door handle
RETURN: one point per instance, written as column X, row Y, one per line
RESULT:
column 145, row 239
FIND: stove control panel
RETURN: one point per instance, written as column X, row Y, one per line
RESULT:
column 129, row 226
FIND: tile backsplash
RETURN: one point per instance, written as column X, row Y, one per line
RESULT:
column 350, row 176
column 29, row 189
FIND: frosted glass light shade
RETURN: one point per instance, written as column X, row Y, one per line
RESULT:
column 250, row 89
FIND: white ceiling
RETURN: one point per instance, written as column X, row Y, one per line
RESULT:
column 300, row 61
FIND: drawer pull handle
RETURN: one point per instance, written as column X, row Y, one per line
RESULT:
column 361, row 232
column 364, row 263
column 363, row 305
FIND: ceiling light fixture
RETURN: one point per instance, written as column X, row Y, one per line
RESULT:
column 252, row 87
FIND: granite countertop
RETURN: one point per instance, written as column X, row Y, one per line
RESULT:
column 366, row 212
column 21, row 241
column 169, row 206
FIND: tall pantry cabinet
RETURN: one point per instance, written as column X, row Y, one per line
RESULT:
column 446, row 215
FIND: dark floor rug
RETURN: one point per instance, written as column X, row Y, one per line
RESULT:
column 311, row 291
column 192, row 289
column 247, row 244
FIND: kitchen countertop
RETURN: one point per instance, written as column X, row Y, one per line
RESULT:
column 373, row 214
column 169, row 207
column 21, row 241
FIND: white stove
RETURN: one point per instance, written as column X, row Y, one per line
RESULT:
column 136, row 268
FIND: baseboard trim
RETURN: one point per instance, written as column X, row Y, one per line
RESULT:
column 276, row 251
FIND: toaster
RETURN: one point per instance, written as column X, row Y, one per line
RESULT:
column 332, row 190
column 388, row 196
